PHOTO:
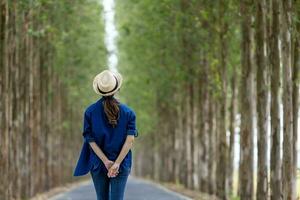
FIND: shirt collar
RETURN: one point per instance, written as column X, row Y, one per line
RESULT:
column 101, row 99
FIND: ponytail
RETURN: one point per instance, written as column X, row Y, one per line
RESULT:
column 111, row 109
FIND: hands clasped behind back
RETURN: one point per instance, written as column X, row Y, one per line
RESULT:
column 112, row 167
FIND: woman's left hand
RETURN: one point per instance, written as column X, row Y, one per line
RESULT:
column 113, row 170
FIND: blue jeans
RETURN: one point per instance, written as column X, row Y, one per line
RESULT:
column 110, row 188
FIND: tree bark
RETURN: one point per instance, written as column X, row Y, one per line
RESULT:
column 246, row 132
column 223, row 146
column 195, row 134
column 3, row 147
column 213, row 152
column 233, row 112
column 287, row 167
column 262, row 101
column 295, row 79
column 275, row 166
column 188, row 138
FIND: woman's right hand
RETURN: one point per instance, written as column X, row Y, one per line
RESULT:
column 114, row 170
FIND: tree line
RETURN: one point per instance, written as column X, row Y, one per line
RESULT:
column 48, row 51
column 205, row 76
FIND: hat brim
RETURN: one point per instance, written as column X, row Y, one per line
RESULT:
column 119, row 79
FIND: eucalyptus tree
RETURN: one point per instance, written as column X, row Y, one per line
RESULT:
column 262, row 98
column 288, row 188
column 48, row 57
column 246, row 127
column 275, row 165
column 201, row 65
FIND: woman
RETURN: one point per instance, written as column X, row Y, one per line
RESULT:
column 109, row 130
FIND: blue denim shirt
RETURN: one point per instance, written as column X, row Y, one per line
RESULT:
column 96, row 128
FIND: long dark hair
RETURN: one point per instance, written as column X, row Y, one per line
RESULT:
column 111, row 109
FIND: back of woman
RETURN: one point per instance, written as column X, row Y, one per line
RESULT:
column 109, row 129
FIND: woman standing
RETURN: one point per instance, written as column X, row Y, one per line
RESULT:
column 109, row 130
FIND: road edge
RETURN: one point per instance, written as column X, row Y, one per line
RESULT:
column 47, row 195
column 161, row 186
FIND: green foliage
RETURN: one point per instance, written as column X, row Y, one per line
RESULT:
column 165, row 45
column 50, row 52
column 73, row 33
column 79, row 47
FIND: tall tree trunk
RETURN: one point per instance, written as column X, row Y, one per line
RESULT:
column 188, row 138
column 246, row 132
column 223, row 147
column 275, row 167
column 188, row 84
column 233, row 112
column 178, row 139
column 212, row 147
column 295, row 77
column 287, row 167
column 206, row 132
column 3, row 147
column 262, row 101
column 195, row 135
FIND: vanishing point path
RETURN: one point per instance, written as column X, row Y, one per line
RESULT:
column 136, row 189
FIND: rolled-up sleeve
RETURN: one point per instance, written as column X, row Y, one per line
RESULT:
column 87, row 128
column 131, row 125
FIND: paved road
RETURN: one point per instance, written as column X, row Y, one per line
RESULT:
column 136, row 189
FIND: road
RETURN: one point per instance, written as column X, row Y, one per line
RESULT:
column 136, row 189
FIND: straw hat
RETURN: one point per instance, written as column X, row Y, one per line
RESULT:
column 107, row 82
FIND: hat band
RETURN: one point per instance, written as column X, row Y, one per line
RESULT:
column 110, row 90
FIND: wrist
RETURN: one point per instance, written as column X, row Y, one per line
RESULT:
column 117, row 162
column 105, row 160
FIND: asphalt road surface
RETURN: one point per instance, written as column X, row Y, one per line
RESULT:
column 136, row 189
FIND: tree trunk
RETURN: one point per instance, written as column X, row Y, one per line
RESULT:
column 3, row 68
column 213, row 152
column 287, row 167
column 206, row 133
column 262, row 101
column 223, row 147
column 178, row 139
column 195, row 135
column 275, row 166
column 295, row 77
column 233, row 112
column 246, row 132
column 188, row 137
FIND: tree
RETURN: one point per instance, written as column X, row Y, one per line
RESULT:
column 275, row 166
column 192, row 50
column 43, row 54
column 262, row 100
column 246, row 133
column 288, row 189
column 222, row 144
column 295, row 79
